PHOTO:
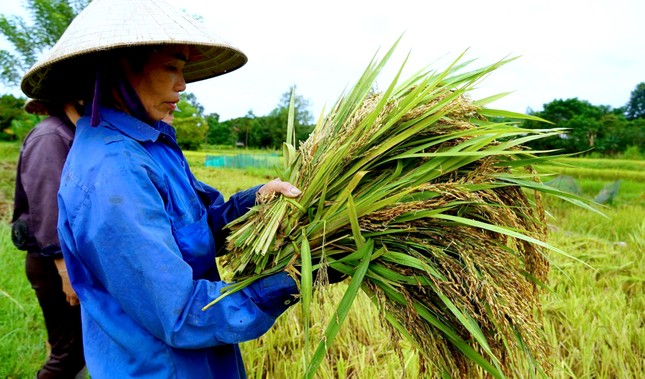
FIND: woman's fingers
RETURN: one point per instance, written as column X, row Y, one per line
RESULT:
column 278, row 186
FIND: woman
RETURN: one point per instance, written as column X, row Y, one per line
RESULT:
column 139, row 233
column 34, row 226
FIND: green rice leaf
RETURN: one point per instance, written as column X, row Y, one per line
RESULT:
column 306, row 286
column 353, row 220
column 512, row 115
column 343, row 308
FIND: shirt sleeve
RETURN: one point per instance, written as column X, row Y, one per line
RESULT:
column 124, row 237
column 220, row 213
column 42, row 162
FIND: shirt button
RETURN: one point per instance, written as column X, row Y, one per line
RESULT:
column 287, row 302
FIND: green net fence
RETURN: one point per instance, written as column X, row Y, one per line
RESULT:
column 243, row 160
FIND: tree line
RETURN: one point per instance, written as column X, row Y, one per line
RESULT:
column 593, row 129
column 194, row 128
column 590, row 129
column 260, row 132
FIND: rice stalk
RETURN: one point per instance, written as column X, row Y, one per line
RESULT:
column 431, row 208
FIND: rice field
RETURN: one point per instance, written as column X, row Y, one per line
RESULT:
column 594, row 311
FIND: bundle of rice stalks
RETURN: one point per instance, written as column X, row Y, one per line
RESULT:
column 422, row 200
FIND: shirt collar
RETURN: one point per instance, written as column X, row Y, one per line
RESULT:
column 135, row 128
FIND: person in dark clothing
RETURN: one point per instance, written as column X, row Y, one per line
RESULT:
column 34, row 229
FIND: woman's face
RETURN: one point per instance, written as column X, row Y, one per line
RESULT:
column 161, row 80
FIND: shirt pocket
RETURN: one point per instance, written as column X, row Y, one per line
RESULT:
column 197, row 245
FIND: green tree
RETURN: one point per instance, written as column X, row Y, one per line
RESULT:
column 189, row 123
column 192, row 106
column 191, row 132
column 50, row 19
column 275, row 123
column 633, row 135
column 612, row 139
column 10, row 108
column 582, row 119
column 188, row 106
column 23, row 123
column 219, row 133
column 635, row 108
column 264, row 132
column 242, row 127
column 590, row 128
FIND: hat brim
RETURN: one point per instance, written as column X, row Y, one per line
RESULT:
column 72, row 77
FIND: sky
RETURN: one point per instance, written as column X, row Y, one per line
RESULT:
column 593, row 50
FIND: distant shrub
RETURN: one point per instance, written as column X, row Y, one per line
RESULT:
column 191, row 132
column 632, row 152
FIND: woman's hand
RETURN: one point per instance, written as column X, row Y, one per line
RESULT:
column 70, row 294
column 278, row 186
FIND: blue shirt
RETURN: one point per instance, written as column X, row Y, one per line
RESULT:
column 138, row 235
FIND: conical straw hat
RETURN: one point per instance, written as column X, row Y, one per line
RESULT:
column 66, row 70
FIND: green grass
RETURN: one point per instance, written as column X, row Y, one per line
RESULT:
column 620, row 164
column 600, row 169
column 593, row 313
column 22, row 329
column 8, row 160
column 600, row 174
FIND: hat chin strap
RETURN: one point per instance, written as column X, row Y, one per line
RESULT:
column 95, row 117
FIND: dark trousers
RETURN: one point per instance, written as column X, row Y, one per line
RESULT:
column 63, row 322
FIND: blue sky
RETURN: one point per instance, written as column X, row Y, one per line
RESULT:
column 593, row 50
